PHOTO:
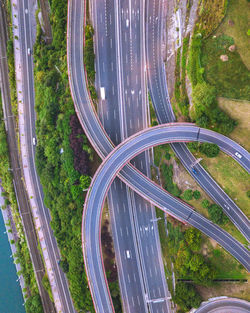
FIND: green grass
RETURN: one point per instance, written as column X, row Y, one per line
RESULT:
column 239, row 111
column 225, row 265
column 239, row 13
column 231, row 78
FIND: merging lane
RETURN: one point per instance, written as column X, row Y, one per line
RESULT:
column 159, row 94
column 104, row 177
column 119, row 48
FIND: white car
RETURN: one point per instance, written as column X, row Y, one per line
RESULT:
column 127, row 22
column 26, row 11
column 238, row 155
column 34, row 141
column 227, row 207
column 28, row 50
column 128, row 254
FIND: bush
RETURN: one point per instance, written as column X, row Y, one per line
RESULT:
column 217, row 215
column 204, row 98
column 186, row 296
column 248, row 193
column 188, row 194
column 196, row 194
column 33, row 304
column 209, row 149
column 205, row 203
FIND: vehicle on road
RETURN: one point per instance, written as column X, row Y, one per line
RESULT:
column 128, row 254
column 194, row 171
column 28, row 51
column 238, row 155
column 26, row 11
column 102, row 91
column 127, row 22
column 34, row 141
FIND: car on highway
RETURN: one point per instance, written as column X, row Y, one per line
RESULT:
column 128, row 254
column 194, row 171
column 28, row 51
column 34, row 141
column 127, row 22
column 238, row 155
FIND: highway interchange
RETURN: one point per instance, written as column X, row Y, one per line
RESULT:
column 121, row 72
column 86, row 114
column 109, row 169
column 125, row 86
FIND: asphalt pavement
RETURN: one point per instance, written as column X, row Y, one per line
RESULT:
column 119, row 48
column 58, row 280
column 104, row 177
column 160, row 99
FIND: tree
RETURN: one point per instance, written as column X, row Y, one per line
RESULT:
column 204, row 98
column 209, row 149
column 193, row 238
column 196, row 194
column 188, row 194
column 85, row 181
column 205, row 203
column 182, row 259
column 216, row 214
column 186, row 296
column 33, row 304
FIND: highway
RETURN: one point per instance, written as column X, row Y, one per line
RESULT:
column 225, row 305
column 119, row 46
column 105, row 175
column 83, row 105
column 29, row 116
column 159, row 94
column 21, row 194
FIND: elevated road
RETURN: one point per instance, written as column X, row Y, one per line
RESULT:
column 104, row 177
column 226, row 305
column 119, row 48
column 159, row 94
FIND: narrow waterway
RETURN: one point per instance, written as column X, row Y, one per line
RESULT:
column 11, row 299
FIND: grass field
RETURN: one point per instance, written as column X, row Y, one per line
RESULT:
column 232, row 77
column 238, row 12
column 239, row 111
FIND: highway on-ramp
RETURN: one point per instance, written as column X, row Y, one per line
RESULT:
column 225, row 305
column 159, row 94
column 104, row 177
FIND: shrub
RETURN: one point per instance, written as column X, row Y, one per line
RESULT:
column 188, row 194
column 205, row 203
column 216, row 214
column 209, row 149
column 186, row 296
column 196, row 194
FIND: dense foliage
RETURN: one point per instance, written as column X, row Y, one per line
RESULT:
column 62, row 153
column 211, row 150
column 189, row 263
column 217, row 215
column 170, row 186
column 186, row 296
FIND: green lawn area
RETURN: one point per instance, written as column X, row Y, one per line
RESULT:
column 239, row 111
column 226, row 266
column 232, row 77
column 238, row 12
column 233, row 179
